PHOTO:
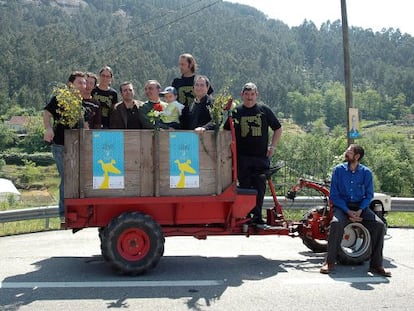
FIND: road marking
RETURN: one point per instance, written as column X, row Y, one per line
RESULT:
column 333, row 280
column 110, row 284
column 178, row 283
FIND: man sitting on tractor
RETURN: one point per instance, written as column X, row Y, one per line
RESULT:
column 351, row 193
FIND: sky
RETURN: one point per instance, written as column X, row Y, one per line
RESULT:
column 373, row 14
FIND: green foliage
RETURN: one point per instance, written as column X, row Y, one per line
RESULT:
column 392, row 161
column 33, row 142
column 313, row 155
column 298, row 71
column 18, row 158
column 295, row 68
column 30, row 173
column 7, row 136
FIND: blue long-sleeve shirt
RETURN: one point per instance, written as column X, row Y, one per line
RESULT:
column 351, row 186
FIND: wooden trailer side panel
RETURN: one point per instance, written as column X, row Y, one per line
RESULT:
column 146, row 154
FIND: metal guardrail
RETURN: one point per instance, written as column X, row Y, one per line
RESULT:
column 47, row 212
column 42, row 212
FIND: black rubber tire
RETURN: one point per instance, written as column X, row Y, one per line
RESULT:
column 316, row 246
column 356, row 244
column 133, row 243
column 101, row 233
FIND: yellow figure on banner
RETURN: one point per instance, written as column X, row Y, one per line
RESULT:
column 184, row 167
column 108, row 168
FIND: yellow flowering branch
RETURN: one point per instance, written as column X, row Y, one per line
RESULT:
column 69, row 101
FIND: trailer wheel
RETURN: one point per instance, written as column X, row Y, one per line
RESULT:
column 133, row 243
column 356, row 244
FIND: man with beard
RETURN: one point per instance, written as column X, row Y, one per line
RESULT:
column 351, row 193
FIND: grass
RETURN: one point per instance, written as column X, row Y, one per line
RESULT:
column 28, row 226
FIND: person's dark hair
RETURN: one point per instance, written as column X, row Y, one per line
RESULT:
column 198, row 77
column 157, row 84
column 190, row 60
column 107, row 68
column 357, row 149
column 123, row 84
column 76, row 74
column 92, row 75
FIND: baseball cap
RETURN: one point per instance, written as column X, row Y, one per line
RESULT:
column 169, row 89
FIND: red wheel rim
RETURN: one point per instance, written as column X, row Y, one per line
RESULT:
column 133, row 244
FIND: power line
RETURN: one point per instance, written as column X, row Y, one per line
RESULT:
column 117, row 45
column 169, row 23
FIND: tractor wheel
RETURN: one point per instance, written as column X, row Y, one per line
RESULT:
column 356, row 244
column 133, row 243
column 315, row 245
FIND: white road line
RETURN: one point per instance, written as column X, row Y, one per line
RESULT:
column 332, row 280
column 110, row 284
column 96, row 284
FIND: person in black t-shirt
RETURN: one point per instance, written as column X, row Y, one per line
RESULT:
column 54, row 133
column 252, row 121
column 92, row 111
column 184, row 84
column 106, row 96
column 197, row 113
column 126, row 114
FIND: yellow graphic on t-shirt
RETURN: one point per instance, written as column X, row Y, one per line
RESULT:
column 186, row 95
column 252, row 125
column 108, row 168
column 184, row 168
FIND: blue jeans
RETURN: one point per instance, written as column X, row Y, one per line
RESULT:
column 57, row 152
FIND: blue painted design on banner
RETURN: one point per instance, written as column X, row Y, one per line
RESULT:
column 184, row 160
column 108, row 159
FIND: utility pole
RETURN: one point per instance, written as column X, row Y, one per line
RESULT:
column 347, row 68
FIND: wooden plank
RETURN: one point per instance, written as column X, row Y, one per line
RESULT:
column 71, row 164
column 226, row 159
column 146, row 164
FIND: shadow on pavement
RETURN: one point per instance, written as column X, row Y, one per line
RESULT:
column 230, row 272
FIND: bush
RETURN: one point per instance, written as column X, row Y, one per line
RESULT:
column 39, row 158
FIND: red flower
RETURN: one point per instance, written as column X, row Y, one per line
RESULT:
column 157, row 107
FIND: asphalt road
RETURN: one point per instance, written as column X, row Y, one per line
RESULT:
column 61, row 271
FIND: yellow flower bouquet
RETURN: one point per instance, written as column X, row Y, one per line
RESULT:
column 69, row 105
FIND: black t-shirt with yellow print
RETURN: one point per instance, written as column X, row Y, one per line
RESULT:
column 252, row 129
column 184, row 87
column 107, row 100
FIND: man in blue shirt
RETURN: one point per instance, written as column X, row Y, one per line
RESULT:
column 351, row 193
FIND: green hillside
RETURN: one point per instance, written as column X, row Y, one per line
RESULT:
column 299, row 72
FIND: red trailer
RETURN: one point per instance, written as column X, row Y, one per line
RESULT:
column 135, row 215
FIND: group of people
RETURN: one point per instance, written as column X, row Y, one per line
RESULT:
column 186, row 106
